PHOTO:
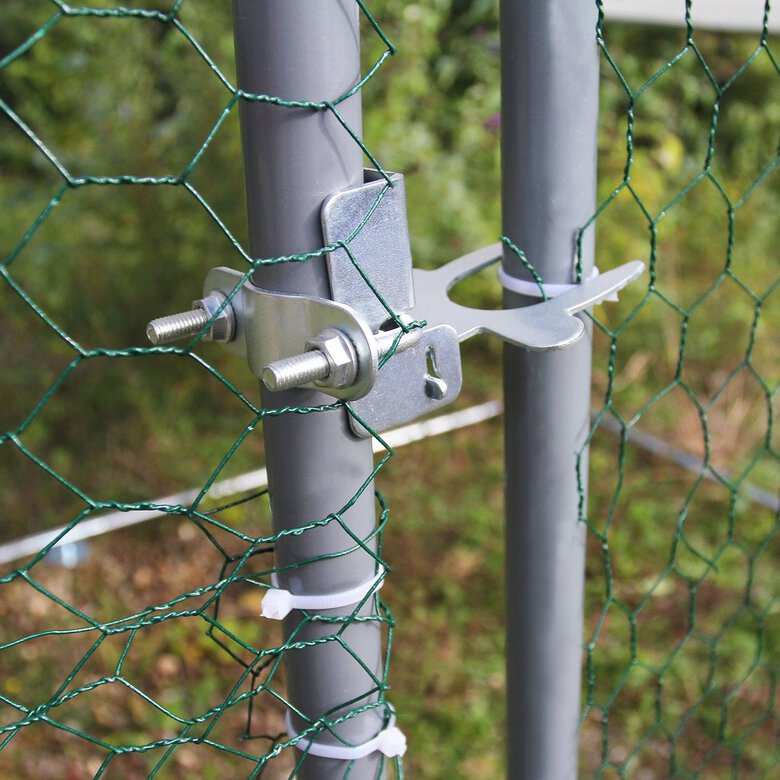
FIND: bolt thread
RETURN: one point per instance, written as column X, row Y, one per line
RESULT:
column 295, row 371
column 386, row 339
column 176, row 326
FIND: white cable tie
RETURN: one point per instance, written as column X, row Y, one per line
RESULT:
column 390, row 741
column 531, row 289
column 278, row 602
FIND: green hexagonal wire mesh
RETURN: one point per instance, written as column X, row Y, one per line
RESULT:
column 121, row 172
column 682, row 648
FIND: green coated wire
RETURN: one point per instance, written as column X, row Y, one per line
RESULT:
column 643, row 726
column 258, row 666
column 662, row 738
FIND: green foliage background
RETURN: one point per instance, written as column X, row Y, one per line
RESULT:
column 682, row 640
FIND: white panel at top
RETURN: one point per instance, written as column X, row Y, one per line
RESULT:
column 736, row 15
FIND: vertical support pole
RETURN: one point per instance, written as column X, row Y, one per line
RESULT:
column 549, row 126
column 294, row 157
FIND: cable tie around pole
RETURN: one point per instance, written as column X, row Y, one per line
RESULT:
column 531, row 288
column 278, row 602
column 391, row 741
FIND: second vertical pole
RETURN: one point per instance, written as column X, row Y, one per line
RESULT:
column 549, row 132
column 300, row 50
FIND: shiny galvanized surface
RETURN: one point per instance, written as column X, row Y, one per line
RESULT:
column 544, row 326
column 405, row 389
column 272, row 326
column 371, row 218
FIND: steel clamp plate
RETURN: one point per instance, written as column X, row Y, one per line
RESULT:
column 271, row 326
column 399, row 394
column 551, row 324
column 371, row 218
column 412, row 383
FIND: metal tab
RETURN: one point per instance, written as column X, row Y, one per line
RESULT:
column 371, row 219
column 543, row 326
column 402, row 389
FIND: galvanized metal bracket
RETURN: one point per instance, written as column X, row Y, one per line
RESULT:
column 337, row 346
column 272, row 326
column 402, row 391
column 412, row 383
column 371, row 220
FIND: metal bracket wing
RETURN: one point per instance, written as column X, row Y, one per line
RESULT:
column 406, row 388
column 271, row 326
column 543, row 326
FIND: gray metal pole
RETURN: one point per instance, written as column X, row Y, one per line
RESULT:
column 295, row 157
column 549, row 125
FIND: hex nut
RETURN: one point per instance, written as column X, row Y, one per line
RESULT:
column 223, row 329
column 341, row 355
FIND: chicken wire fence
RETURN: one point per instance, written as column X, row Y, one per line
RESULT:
column 97, row 652
column 130, row 665
column 683, row 552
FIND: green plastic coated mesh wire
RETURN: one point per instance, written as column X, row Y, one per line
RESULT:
column 121, row 184
column 682, row 636
column 91, row 660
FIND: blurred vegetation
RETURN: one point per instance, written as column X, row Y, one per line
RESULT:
column 683, row 620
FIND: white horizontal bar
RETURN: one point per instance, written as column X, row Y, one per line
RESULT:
column 254, row 480
column 438, row 425
column 399, row 437
column 729, row 15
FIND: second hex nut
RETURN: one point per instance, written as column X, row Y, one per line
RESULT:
column 341, row 356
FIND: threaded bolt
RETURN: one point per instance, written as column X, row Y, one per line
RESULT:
column 296, row 371
column 315, row 365
column 386, row 339
column 176, row 326
column 190, row 323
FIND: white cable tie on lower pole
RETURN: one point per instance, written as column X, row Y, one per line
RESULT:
column 531, row 288
column 278, row 602
column 390, row 741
